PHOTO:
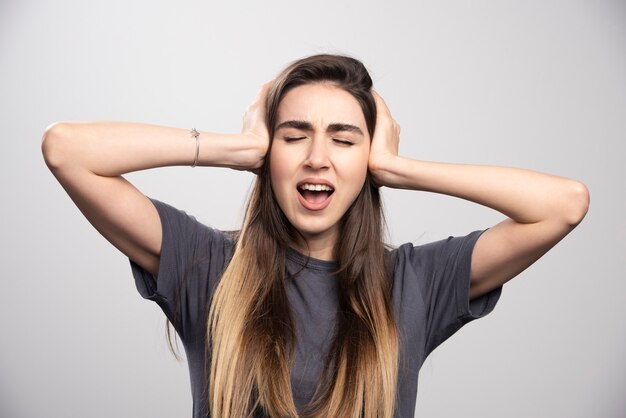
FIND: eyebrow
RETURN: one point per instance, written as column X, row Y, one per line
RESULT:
column 333, row 127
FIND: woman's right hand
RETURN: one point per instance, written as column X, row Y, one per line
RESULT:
column 255, row 128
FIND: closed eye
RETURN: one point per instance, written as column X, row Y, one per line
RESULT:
column 292, row 138
column 343, row 141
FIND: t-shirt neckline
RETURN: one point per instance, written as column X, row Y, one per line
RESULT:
column 310, row 262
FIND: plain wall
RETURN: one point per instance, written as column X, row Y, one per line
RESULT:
column 533, row 84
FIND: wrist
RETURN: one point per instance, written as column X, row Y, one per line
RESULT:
column 384, row 169
column 253, row 150
column 237, row 151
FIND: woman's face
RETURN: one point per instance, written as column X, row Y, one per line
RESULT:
column 318, row 160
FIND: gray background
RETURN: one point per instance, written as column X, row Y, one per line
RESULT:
column 534, row 84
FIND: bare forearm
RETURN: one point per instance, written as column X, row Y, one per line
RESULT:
column 113, row 148
column 525, row 196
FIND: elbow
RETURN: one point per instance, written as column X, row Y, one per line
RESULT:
column 577, row 203
column 53, row 147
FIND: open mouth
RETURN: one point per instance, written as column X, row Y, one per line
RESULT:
column 315, row 193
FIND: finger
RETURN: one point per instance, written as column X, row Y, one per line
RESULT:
column 264, row 91
column 380, row 102
column 266, row 86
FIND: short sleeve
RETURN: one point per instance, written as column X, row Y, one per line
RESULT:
column 192, row 258
column 443, row 268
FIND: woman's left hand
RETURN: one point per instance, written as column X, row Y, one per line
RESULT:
column 384, row 145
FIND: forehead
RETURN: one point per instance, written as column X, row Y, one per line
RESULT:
column 321, row 104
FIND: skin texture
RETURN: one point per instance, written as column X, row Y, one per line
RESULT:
column 340, row 158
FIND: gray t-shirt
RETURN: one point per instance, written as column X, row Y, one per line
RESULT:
column 430, row 296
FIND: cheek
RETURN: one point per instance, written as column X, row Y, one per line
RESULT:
column 355, row 166
column 279, row 172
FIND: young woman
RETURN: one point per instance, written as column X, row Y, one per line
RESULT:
column 304, row 311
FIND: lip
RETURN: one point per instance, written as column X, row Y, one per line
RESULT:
column 315, row 180
column 315, row 206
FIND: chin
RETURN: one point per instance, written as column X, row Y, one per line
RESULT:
column 314, row 229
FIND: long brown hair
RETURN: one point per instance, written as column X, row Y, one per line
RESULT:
column 250, row 328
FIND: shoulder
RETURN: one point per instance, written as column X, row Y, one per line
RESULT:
column 421, row 253
column 181, row 217
column 431, row 257
column 183, row 229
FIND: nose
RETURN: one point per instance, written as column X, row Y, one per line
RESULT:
column 317, row 157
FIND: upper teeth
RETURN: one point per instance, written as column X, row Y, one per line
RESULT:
column 316, row 187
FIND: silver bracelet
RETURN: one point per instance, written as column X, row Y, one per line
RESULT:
column 195, row 134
